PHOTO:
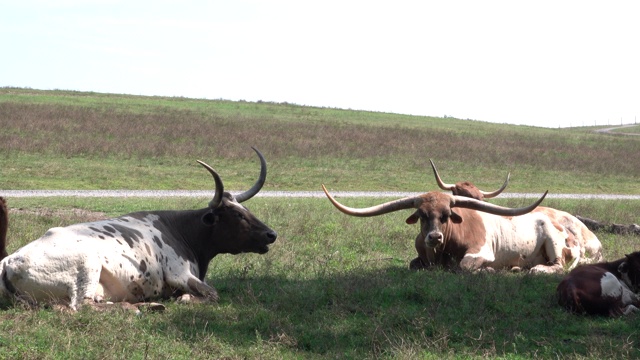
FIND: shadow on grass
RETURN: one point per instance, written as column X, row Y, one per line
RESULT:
column 392, row 311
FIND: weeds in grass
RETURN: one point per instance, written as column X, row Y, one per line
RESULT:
column 390, row 150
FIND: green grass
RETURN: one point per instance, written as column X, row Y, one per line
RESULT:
column 332, row 286
column 86, row 141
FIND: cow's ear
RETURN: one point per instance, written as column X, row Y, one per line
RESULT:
column 209, row 219
column 623, row 268
column 455, row 218
column 413, row 218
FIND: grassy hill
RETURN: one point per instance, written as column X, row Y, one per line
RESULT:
column 75, row 140
column 332, row 286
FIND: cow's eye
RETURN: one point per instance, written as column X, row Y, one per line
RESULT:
column 444, row 218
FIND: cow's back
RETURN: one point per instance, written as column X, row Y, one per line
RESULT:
column 522, row 241
column 121, row 259
column 591, row 289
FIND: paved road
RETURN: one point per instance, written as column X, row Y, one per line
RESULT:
column 612, row 131
column 290, row 194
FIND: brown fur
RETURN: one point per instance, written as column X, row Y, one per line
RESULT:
column 4, row 224
column 469, row 236
column 580, row 291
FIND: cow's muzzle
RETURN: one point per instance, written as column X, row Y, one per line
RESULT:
column 434, row 239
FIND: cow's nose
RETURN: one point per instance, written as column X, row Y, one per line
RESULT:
column 272, row 236
column 434, row 238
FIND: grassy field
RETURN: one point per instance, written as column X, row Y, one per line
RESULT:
column 332, row 286
column 67, row 140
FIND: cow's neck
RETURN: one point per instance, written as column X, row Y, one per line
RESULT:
column 187, row 228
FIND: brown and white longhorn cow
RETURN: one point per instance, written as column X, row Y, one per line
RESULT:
column 582, row 245
column 607, row 288
column 475, row 234
column 136, row 257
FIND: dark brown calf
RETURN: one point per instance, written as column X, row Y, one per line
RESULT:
column 607, row 288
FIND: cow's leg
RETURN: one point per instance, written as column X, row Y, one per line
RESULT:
column 87, row 283
column 201, row 289
column 473, row 262
column 554, row 244
column 426, row 255
column 193, row 287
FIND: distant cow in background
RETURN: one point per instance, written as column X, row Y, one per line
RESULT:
column 607, row 288
column 136, row 257
column 582, row 245
column 467, row 188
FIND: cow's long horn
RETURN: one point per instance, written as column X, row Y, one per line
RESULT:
column 469, row 203
column 450, row 187
column 492, row 194
column 391, row 206
column 441, row 184
column 217, row 198
column 259, row 183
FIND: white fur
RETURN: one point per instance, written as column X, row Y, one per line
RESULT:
column 77, row 263
column 520, row 241
column 616, row 288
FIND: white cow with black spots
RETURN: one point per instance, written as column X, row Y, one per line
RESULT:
column 136, row 257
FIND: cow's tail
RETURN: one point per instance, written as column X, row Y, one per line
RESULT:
column 572, row 251
column 4, row 225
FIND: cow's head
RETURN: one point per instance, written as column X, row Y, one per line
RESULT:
column 466, row 188
column 630, row 271
column 239, row 230
column 434, row 209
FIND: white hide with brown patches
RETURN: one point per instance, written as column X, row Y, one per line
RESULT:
column 526, row 241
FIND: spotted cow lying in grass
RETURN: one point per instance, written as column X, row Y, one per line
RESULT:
column 135, row 257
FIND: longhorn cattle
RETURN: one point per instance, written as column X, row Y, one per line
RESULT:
column 582, row 245
column 474, row 234
column 137, row 257
column 606, row 288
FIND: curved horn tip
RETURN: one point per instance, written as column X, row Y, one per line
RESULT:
column 441, row 184
column 257, row 186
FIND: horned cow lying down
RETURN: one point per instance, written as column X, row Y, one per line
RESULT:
column 135, row 257
column 581, row 246
column 475, row 234
column 607, row 288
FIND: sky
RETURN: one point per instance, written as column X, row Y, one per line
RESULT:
column 542, row 63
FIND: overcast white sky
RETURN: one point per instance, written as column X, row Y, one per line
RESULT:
column 546, row 63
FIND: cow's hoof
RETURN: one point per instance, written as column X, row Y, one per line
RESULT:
column 417, row 264
column 546, row 269
column 150, row 306
column 191, row 299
